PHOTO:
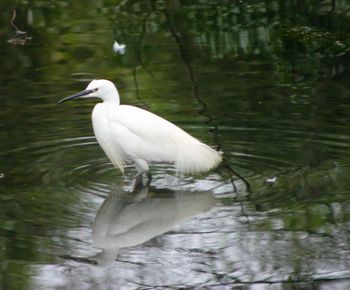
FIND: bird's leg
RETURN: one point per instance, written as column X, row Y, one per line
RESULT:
column 142, row 167
column 140, row 191
column 149, row 175
column 138, row 182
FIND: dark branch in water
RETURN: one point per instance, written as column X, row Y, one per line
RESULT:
column 21, row 36
column 187, row 64
column 79, row 259
column 210, row 122
column 145, row 105
column 288, row 282
column 139, row 61
column 233, row 172
column 333, row 7
column 139, row 46
column 14, row 25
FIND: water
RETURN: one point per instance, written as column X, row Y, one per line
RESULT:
column 267, row 87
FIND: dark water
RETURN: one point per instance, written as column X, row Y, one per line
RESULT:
column 266, row 82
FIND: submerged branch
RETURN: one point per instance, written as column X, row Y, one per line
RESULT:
column 210, row 122
column 140, row 62
column 14, row 25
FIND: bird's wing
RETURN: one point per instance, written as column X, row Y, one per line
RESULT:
column 144, row 135
column 147, row 136
column 104, row 132
column 147, row 125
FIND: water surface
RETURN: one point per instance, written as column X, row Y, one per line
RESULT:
column 265, row 82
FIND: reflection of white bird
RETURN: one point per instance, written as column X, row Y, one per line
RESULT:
column 129, row 133
column 127, row 220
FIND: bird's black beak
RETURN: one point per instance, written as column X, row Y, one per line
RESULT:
column 77, row 95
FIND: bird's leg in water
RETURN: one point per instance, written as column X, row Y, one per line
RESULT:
column 149, row 175
column 138, row 182
column 142, row 167
column 140, row 190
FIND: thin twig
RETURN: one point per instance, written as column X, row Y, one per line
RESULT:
column 200, row 101
column 14, row 25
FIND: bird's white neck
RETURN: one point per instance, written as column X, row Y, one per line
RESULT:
column 111, row 97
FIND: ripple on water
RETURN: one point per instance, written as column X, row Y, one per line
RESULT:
column 276, row 149
column 79, row 163
column 243, row 232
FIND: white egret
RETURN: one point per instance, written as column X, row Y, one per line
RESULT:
column 128, row 133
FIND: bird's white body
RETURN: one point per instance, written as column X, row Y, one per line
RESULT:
column 127, row 133
column 130, row 133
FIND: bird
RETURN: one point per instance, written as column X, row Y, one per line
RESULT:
column 128, row 133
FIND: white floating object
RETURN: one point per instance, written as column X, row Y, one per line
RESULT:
column 272, row 180
column 119, row 48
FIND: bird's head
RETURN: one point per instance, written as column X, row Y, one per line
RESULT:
column 103, row 89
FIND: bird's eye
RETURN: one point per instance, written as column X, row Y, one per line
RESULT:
column 95, row 90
